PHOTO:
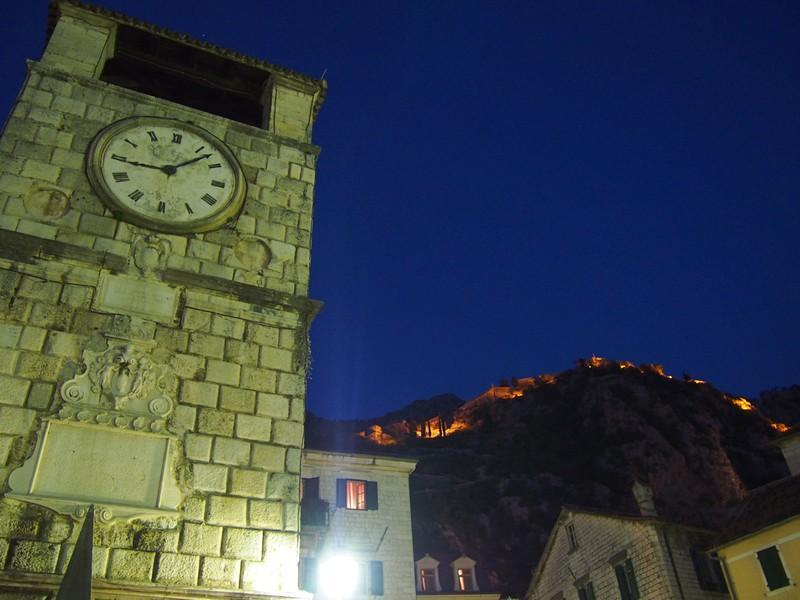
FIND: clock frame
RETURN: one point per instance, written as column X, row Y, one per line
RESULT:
column 165, row 174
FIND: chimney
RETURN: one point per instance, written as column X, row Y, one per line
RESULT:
column 790, row 447
column 644, row 498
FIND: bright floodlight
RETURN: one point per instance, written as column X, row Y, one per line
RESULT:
column 337, row 576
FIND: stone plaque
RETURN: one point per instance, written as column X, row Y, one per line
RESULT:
column 141, row 297
column 128, row 473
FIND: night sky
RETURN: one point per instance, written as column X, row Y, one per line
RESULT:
column 505, row 187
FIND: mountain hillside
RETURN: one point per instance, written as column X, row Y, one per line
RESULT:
column 494, row 471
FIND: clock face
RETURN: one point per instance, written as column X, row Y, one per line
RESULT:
column 165, row 174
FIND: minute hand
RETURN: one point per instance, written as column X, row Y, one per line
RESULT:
column 190, row 161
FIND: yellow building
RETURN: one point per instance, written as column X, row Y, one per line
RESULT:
column 761, row 554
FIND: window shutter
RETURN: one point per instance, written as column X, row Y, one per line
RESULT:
column 376, row 578
column 590, row 591
column 308, row 574
column 310, row 488
column 341, row 493
column 701, row 569
column 632, row 586
column 622, row 582
column 773, row 568
column 372, row 495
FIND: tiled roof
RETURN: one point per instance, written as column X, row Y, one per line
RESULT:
column 765, row 506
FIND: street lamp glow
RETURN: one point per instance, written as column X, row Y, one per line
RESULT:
column 338, row 576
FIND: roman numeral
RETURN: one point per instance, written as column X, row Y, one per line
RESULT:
column 217, row 183
column 176, row 138
column 214, row 166
column 131, row 143
column 121, row 176
column 209, row 199
column 188, row 208
column 153, row 136
column 198, row 150
column 119, row 158
column 135, row 195
column 162, row 207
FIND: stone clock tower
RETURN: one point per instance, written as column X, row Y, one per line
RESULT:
column 156, row 197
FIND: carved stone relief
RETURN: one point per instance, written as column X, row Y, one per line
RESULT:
column 121, row 386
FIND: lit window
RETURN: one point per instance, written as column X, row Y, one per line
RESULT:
column 571, row 537
column 464, row 580
column 427, row 580
column 773, row 568
column 626, row 579
column 356, row 495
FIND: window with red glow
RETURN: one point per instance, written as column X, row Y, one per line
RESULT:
column 356, row 494
column 465, row 580
column 427, row 580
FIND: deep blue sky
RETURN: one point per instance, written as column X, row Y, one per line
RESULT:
column 507, row 186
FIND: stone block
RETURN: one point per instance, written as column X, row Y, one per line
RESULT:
column 231, row 452
column 196, row 320
column 297, row 411
column 177, row 569
column 275, row 358
column 64, row 344
column 32, row 338
column 224, row 510
column 293, row 460
column 268, row 457
column 34, row 557
column 97, row 225
column 185, row 417
column 287, row 433
column 210, row 478
column 157, row 540
column 263, row 335
column 278, row 545
column 8, row 363
column 242, row 543
column 242, row 353
column 220, row 572
column 203, row 250
column 131, row 565
column 260, row 380
column 188, row 366
column 172, row 339
column 77, row 295
column 9, row 335
column 198, row 447
column 204, row 540
column 199, row 393
column 253, row 428
column 273, row 405
column 49, row 316
column 6, row 444
column 249, row 483
column 16, row 421
column 266, row 514
column 38, row 289
column 291, row 384
column 283, row 486
column 194, row 507
column 227, row 327
column 211, row 346
column 237, row 400
column 288, row 339
column 13, row 390
column 43, row 171
column 219, row 371
column 215, row 422
column 291, row 516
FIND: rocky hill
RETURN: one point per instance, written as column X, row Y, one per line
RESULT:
column 493, row 472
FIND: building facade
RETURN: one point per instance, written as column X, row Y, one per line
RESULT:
column 761, row 546
column 594, row 555
column 156, row 197
column 356, row 507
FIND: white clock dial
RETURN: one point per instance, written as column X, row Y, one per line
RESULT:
column 166, row 174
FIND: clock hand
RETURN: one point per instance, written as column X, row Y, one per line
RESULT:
column 188, row 162
column 139, row 164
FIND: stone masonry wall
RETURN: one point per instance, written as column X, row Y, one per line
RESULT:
column 237, row 344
